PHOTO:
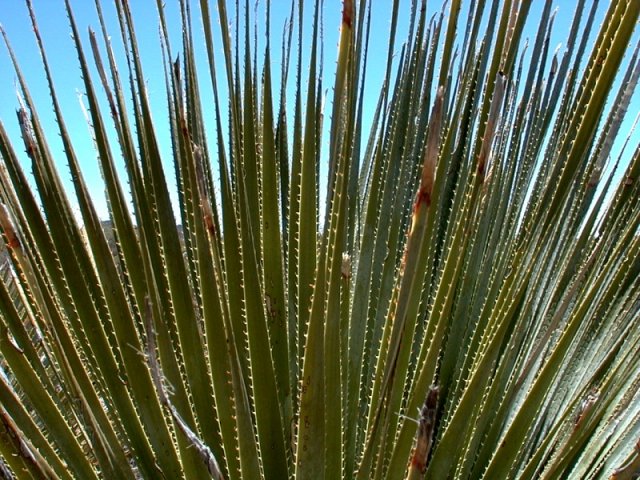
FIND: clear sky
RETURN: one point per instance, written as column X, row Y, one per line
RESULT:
column 55, row 30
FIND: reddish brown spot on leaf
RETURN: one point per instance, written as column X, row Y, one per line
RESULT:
column 347, row 13
column 423, row 196
column 425, row 430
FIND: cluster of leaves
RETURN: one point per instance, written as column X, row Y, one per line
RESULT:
column 477, row 265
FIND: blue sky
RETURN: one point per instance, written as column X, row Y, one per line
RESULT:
column 55, row 30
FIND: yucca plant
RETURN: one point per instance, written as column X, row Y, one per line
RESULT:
column 460, row 301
